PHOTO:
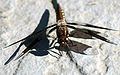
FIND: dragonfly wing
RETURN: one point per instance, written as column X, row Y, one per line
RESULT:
column 33, row 35
column 28, row 48
column 91, row 33
column 90, row 25
column 74, row 46
column 79, row 33
column 78, row 47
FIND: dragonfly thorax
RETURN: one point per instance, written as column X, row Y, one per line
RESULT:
column 61, row 22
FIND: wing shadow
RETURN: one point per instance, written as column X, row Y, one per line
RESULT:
column 41, row 46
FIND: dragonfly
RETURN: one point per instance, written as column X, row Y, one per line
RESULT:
column 63, row 35
column 65, row 44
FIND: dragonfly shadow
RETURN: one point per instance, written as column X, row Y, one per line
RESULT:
column 41, row 41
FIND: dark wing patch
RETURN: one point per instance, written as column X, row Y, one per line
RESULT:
column 74, row 46
column 78, row 47
column 93, row 34
column 79, row 33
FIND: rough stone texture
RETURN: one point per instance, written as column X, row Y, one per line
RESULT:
column 19, row 18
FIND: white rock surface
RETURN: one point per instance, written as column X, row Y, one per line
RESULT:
column 19, row 18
